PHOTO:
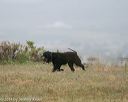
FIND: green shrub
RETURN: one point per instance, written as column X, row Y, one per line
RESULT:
column 18, row 53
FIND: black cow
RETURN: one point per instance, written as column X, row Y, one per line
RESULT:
column 59, row 59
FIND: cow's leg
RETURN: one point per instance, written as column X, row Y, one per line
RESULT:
column 80, row 64
column 54, row 68
column 58, row 68
column 71, row 67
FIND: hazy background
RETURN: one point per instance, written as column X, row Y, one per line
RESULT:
column 91, row 27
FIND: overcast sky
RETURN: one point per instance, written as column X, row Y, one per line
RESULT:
column 91, row 27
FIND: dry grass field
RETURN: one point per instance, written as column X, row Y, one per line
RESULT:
column 35, row 82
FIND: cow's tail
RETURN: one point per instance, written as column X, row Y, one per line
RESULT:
column 72, row 50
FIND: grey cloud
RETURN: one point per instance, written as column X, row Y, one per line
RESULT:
column 91, row 26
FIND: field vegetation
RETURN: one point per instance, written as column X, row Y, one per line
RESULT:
column 25, row 78
column 35, row 80
column 18, row 53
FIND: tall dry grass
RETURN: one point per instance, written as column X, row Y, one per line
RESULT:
column 35, row 80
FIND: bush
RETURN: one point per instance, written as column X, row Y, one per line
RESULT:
column 13, row 52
